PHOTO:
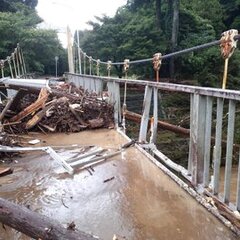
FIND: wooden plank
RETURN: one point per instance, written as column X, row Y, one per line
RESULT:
column 93, row 151
column 43, row 96
column 218, row 146
column 208, row 129
column 59, row 159
column 145, row 115
column 230, row 137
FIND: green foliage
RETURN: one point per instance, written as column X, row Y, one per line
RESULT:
column 12, row 5
column 41, row 46
column 133, row 33
column 18, row 24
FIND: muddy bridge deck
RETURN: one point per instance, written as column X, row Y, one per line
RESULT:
column 141, row 202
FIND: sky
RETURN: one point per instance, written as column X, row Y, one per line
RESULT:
column 57, row 14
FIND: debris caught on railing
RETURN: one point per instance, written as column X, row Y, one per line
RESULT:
column 65, row 108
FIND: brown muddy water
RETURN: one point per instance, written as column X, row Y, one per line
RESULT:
column 140, row 203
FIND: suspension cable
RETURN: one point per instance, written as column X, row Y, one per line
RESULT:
column 169, row 55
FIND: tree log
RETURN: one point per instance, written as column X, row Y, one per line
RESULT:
column 35, row 225
column 164, row 125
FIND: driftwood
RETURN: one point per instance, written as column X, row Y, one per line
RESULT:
column 164, row 125
column 35, row 225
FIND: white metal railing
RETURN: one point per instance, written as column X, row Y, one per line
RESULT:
column 201, row 144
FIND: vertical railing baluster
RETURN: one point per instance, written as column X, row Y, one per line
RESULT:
column 153, row 138
column 218, row 146
column 145, row 115
column 198, row 138
column 208, row 141
column 190, row 155
column 117, row 105
column 230, row 137
column 238, row 186
column 114, row 98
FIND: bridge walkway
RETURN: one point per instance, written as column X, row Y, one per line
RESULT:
column 141, row 202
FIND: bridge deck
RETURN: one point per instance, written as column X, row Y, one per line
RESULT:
column 141, row 202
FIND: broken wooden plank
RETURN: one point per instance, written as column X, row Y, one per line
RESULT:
column 33, row 107
column 35, row 225
column 93, row 151
column 37, row 117
column 96, row 160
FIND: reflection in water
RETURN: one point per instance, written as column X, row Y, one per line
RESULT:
column 139, row 203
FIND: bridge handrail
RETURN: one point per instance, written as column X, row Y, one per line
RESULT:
column 206, row 91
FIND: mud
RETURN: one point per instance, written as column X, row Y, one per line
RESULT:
column 140, row 202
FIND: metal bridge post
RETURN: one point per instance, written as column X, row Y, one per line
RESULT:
column 153, row 138
column 218, row 146
column 198, row 138
column 230, row 137
column 238, row 185
column 208, row 135
column 145, row 115
column 114, row 94
column 190, row 152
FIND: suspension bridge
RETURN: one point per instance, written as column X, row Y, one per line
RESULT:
column 201, row 178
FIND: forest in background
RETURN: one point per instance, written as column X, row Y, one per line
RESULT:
column 19, row 24
column 138, row 30
column 142, row 28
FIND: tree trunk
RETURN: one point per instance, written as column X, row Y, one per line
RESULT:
column 35, row 225
column 158, row 13
column 175, row 29
column 163, row 125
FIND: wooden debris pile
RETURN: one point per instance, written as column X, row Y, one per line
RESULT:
column 65, row 108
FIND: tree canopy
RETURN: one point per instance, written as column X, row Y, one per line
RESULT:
column 19, row 24
column 141, row 28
